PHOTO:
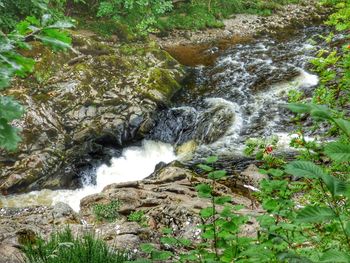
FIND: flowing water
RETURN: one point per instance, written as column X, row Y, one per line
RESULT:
column 239, row 97
column 135, row 163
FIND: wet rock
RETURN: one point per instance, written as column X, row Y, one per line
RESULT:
column 252, row 176
column 62, row 211
column 159, row 166
column 77, row 107
column 168, row 199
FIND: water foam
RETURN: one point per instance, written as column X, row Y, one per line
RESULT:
column 135, row 163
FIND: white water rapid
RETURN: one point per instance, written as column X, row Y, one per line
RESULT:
column 135, row 163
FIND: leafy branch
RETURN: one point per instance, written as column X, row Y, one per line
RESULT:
column 12, row 64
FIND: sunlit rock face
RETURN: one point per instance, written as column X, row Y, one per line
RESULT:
column 78, row 105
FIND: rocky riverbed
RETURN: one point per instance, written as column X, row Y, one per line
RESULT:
column 79, row 105
column 167, row 198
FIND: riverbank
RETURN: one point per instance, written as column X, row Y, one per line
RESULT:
column 190, row 48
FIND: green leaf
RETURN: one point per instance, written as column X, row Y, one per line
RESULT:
column 266, row 220
column 330, row 182
column 208, row 234
column 347, row 228
column 205, row 167
column 192, row 256
column 22, row 27
column 168, row 240
column 315, row 214
column 61, row 25
column 33, row 20
column 207, row 212
column 263, row 171
column 228, row 255
column 230, row 226
column 10, row 109
column 226, row 212
column 185, row 242
column 211, row 159
column 8, row 136
column 222, row 200
column 204, row 190
column 167, row 231
column 336, row 186
column 53, row 42
column 321, row 114
column 341, row 188
column 238, row 207
column 147, row 248
column 305, row 169
column 293, row 258
column 344, row 125
column 19, row 65
column 217, row 175
column 55, row 38
column 270, row 204
column 334, row 256
column 275, row 172
column 299, row 107
column 5, row 77
column 161, row 255
column 338, row 151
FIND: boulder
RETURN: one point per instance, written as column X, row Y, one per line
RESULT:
column 168, row 199
column 19, row 226
column 77, row 104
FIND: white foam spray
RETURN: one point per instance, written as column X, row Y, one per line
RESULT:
column 135, row 164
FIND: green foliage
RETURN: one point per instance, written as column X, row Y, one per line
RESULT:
column 9, row 111
column 219, row 232
column 201, row 14
column 13, row 12
column 340, row 19
column 332, row 62
column 138, row 217
column 12, row 63
column 295, row 96
column 63, row 247
column 141, row 15
column 108, row 212
column 338, row 151
column 264, row 149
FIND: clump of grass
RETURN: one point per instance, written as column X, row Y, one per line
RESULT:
column 108, row 212
column 63, row 247
column 138, row 217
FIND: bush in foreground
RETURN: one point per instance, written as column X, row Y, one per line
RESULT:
column 64, row 247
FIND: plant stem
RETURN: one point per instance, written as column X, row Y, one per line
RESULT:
column 333, row 206
column 214, row 221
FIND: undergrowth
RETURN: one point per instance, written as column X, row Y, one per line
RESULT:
column 64, row 247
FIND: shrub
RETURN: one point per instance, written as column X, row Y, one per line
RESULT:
column 138, row 217
column 108, row 212
column 63, row 247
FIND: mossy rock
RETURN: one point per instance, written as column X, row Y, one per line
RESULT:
column 77, row 107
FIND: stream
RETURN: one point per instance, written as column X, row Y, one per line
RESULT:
column 240, row 96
